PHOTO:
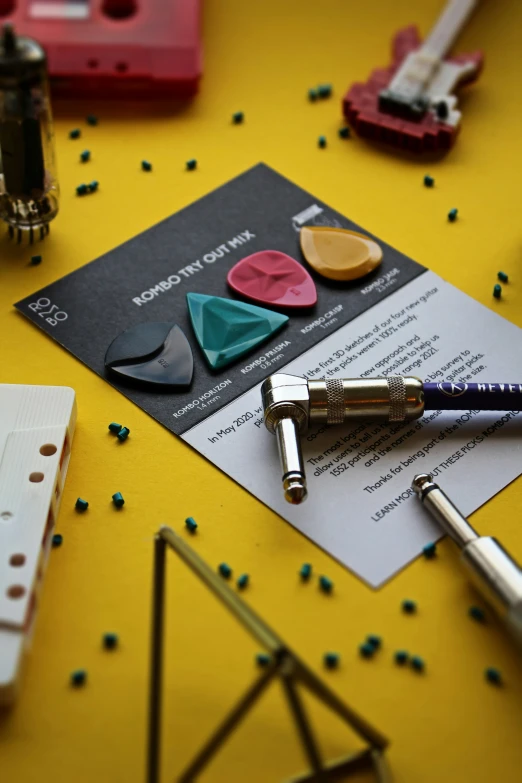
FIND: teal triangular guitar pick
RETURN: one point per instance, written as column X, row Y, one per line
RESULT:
column 227, row 329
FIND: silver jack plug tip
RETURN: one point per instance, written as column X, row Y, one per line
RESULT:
column 292, row 468
column 421, row 482
column 295, row 488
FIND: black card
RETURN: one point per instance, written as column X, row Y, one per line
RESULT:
column 147, row 278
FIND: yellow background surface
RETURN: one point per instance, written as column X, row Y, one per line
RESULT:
column 447, row 724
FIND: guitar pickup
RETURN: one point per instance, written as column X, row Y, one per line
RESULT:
column 391, row 102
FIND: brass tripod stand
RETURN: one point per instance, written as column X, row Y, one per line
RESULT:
column 284, row 664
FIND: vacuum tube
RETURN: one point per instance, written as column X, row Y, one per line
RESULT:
column 28, row 185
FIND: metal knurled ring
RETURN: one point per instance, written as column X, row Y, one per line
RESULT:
column 334, row 401
column 285, row 410
column 397, row 391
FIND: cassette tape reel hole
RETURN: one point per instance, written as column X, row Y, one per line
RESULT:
column 48, row 449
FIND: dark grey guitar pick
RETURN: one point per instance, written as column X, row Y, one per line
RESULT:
column 157, row 353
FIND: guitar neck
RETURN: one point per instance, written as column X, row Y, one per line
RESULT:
column 447, row 28
column 412, row 80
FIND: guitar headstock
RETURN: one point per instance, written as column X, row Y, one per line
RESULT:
column 431, row 125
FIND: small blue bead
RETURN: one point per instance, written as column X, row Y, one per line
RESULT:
column 374, row 640
column 325, row 584
column 110, row 641
column 191, row 164
column 238, row 117
column 92, row 119
column 313, row 94
column 324, row 90
column 493, row 676
column 225, row 570
column 306, row 571
column 242, row 581
column 476, row 613
column 452, row 215
column 497, row 291
column 81, row 505
column 191, row 524
column 429, row 181
column 263, row 659
column 367, row 650
column 57, row 539
column 85, row 156
column 417, row 663
column 123, row 434
column 409, row 606
column 93, row 186
column 401, row 657
column 502, row 277
column 78, row 677
column 35, row 260
column 115, row 427
column 331, row 660
column 146, row 165
column 430, row 550
column 344, row 132
column 75, row 133
column 82, row 190
column 321, row 141
column 118, row 500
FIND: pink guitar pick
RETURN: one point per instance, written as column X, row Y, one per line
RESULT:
column 271, row 277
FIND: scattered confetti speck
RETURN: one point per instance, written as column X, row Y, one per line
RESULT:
column 452, row 215
column 78, row 677
column 118, row 500
column 191, row 524
column 110, row 640
column 331, row 660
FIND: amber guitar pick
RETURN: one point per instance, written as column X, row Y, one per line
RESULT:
column 339, row 254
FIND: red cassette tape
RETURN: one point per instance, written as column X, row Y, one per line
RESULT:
column 103, row 48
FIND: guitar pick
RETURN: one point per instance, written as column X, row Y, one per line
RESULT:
column 271, row 277
column 226, row 329
column 155, row 353
column 339, row 254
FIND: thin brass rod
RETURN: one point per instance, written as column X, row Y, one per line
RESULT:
column 338, row 769
column 284, row 664
column 156, row 661
column 217, row 739
column 381, row 766
column 221, row 589
column 304, row 730
column 332, row 701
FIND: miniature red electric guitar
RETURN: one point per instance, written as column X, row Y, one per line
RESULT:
column 410, row 104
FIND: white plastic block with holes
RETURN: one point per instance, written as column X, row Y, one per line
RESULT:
column 36, row 430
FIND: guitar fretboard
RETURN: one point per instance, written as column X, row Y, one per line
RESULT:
column 447, row 27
